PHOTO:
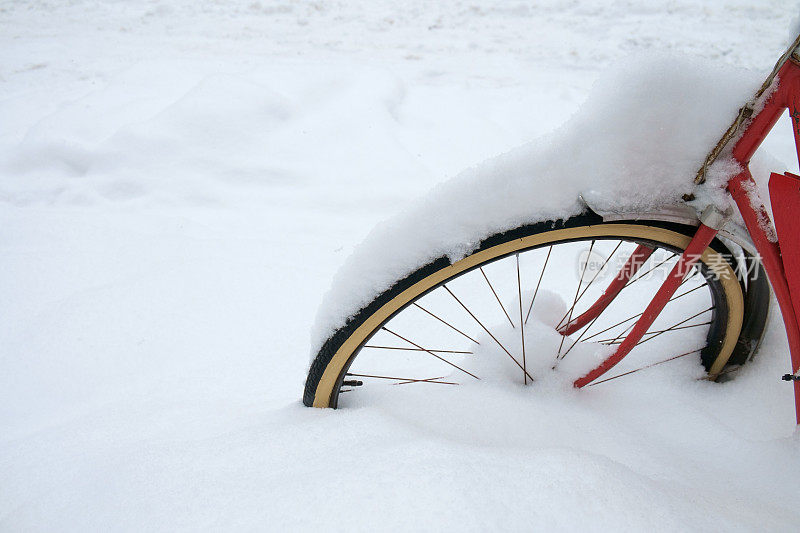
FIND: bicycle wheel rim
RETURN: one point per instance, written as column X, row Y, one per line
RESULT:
column 341, row 349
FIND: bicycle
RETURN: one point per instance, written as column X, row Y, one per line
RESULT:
column 432, row 320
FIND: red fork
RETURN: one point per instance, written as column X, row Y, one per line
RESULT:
column 700, row 241
column 632, row 265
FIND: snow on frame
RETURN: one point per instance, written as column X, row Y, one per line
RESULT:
column 635, row 143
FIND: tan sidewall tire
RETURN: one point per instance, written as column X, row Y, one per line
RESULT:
column 712, row 259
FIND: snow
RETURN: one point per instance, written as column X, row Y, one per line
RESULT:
column 179, row 183
column 635, row 144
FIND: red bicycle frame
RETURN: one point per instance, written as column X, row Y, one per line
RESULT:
column 780, row 254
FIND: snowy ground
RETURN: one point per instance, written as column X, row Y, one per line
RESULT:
column 180, row 180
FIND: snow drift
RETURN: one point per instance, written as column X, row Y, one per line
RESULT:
column 159, row 283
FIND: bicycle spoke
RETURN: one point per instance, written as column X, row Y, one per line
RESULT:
column 690, row 291
column 521, row 325
column 536, row 291
column 586, row 330
column 486, row 330
column 568, row 316
column 403, row 380
column 446, row 323
column 625, row 331
column 599, row 271
column 430, row 352
column 644, row 367
column 640, row 314
column 659, row 332
column 640, row 276
column 680, row 327
column 674, row 326
column 581, row 335
column 671, row 328
column 412, row 349
column 428, row 380
column 496, row 297
column 611, row 327
column 628, row 285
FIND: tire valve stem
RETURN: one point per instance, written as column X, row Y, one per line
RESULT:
column 352, row 383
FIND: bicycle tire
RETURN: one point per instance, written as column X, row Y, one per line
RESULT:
column 334, row 358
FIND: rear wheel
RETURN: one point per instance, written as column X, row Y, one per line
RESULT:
column 499, row 313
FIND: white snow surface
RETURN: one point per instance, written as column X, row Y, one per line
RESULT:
column 635, row 144
column 179, row 183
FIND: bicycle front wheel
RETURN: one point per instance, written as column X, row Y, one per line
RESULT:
column 501, row 312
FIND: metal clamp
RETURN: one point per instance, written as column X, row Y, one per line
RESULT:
column 715, row 218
